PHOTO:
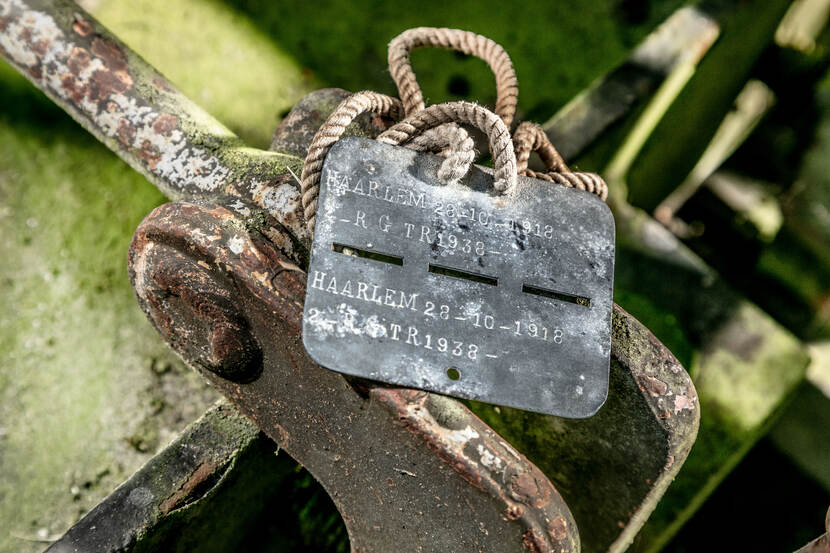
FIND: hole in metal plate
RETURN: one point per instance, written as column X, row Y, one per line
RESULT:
column 453, row 374
column 536, row 291
column 456, row 273
column 368, row 254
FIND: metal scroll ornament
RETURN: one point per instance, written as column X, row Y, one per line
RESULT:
column 460, row 290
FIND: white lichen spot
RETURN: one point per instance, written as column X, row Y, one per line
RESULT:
column 488, row 459
column 240, row 207
column 166, row 155
column 462, row 436
column 236, row 244
column 279, row 200
column 579, row 390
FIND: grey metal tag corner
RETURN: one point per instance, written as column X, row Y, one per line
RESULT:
column 459, row 290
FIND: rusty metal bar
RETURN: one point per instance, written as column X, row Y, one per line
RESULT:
column 164, row 502
column 400, row 465
column 137, row 113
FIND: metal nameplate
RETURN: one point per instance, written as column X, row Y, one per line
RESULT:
column 460, row 290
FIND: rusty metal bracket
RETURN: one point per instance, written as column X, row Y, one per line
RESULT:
column 400, row 465
column 219, row 274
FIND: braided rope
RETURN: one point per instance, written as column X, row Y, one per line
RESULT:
column 530, row 137
column 452, row 142
column 400, row 66
column 330, row 132
column 464, row 112
column 590, row 182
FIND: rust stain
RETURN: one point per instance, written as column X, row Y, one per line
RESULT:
column 81, row 26
column 126, row 132
column 110, row 53
column 104, row 84
column 69, row 84
column 284, row 436
column 78, row 60
column 558, row 529
column 525, row 488
column 514, row 512
column 184, row 494
column 533, row 542
column 165, row 124
column 653, row 386
column 150, row 154
column 35, row 71
column 523, row 492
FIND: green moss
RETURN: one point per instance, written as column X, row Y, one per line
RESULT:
column 216, row 56
column 747, row 382
column 809, row 200
column 741, row 391
column 663, row 324
column 76, row 380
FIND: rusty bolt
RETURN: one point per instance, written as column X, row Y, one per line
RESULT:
column 194, row 306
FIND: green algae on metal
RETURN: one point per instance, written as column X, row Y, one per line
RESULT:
column 742, row 389
column 77, row 379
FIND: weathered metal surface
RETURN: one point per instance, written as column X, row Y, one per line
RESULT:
column 154, row 509
column 138, row 114
column 613, row 468
column 820, row 544
column 455, row 289
column 396, row 490
column 296, row 131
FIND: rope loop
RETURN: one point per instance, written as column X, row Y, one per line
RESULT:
column 530, row 137
column 330, row 132
column 462, row 112
column 400, row 66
